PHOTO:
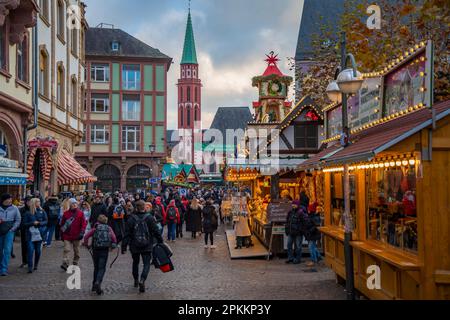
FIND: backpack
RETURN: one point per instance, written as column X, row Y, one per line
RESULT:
column 53, row 212
column 102, row 237
column 118, row 212
column 172, row 214
column 141, row 234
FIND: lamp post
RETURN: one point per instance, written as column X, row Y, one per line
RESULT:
column 347, row 81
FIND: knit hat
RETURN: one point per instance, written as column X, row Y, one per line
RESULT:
column 5, row 196
column 73, row 201
column 296, row 203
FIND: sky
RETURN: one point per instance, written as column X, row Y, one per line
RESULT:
column 232, row 38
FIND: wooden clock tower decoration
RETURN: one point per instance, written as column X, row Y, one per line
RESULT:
column 273, row 92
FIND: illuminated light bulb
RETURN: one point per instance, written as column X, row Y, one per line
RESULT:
column 405, row 162
column 386, row 164
column 423, row 44
column 410, row 108
column 422, row 59
column 417, row 46
column 411, row 50
column 376, row 165
column 422, row 74
column 421, row 105
column 392, row 164
column 412, row 162
column 371, row 166
column 398, row 163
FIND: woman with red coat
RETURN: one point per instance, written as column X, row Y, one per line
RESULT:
column 172, row 218
column 73, row 226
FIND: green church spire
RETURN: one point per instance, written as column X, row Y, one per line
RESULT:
column 189, row 53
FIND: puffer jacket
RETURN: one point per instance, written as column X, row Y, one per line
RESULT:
column 128, row 240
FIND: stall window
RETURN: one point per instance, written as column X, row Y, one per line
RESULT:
column 392, row 215
column 337, row 199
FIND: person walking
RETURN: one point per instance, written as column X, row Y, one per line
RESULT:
column 116, row 219
column 294, row 233
column 172, row 220
column 23, row 231
column 52, row 209
column 98, row 208
column 159, row 209
column 73, row 227
column 141, row 229
column 182, row 212
column 194, row 218
column 209, row 223
column 312, row 234
column 35, row 223
column 104, row 239
column 10, row 220
column 65, row 206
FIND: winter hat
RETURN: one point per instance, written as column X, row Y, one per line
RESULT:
column 73, row 201
column 296, row 203
column 102, row 219
column 5, row 196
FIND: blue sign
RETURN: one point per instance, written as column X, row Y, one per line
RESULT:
column 154, row 180
column 13, row 181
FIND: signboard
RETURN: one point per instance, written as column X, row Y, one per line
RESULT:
column 183, row 192
column 334, row 122
column 278, row 230
column 407, row 86
column 278, row 211
column 154, row 180
column 8, row 163
column 13, row 181
column 3, row 150
column 365, row 107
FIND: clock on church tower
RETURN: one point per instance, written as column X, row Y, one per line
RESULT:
column 273, row 92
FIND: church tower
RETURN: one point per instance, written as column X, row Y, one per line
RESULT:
column 189, row 95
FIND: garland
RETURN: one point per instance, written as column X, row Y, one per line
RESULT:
column 285, row 79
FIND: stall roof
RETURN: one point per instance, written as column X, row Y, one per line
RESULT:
column 314, row 161
column 371, row 142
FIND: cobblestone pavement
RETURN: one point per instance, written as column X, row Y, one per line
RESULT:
column 199, row 274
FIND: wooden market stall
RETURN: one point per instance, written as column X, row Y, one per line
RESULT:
column 400, row 205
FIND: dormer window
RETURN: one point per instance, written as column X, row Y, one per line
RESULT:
column 115, row 46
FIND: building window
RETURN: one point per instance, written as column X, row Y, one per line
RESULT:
column 196, row 95
column 181, row 94
column 188, row 73
column 196, row 117
column 194, row 73
column 131, row 138
column 183, row 74
column 100, row 72
column 3, row 145
column 43, row 4
column 60, row 86
column 115, row 46
column 22, row 60
column 306, row 136
column 131, row 77
column 100, row 103
column 392, row 213
column 43, row 73
column 61, row 19
column 74, row 91
column 74, row 41
column 188, row 94
column 3, row 47
column 181, row 117
column 337, row 199
column 99, row 134
column 131, row 108
column 188, row 116
column 83, row 139
column 82, row 45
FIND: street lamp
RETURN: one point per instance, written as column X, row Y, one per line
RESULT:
column 152, row 148
column 348, row 81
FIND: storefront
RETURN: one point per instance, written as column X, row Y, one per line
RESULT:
column 399, row 204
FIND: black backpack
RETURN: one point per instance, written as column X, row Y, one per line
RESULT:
column 102, row 237
column 172, row 214
column 141, row 234
column 53, row 212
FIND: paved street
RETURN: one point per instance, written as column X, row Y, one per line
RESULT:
column 199, row 274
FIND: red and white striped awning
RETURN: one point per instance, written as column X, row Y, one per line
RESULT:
column 70, row 172
column 45, row 161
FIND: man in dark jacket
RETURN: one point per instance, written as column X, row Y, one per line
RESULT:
column 294, row 232
column 23, row 232
column 140, row 230
column 182, row 211
column 52, row 208
column 97, row 209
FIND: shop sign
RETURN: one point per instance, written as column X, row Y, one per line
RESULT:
column 8, row 163
column 42, row 143
column 13, row 181
column 278, row 211
column 278, row 230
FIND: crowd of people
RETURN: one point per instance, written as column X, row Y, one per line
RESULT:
column 128, row 221
column 102, row 222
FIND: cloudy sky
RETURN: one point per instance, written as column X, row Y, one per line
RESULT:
column 232, row 38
